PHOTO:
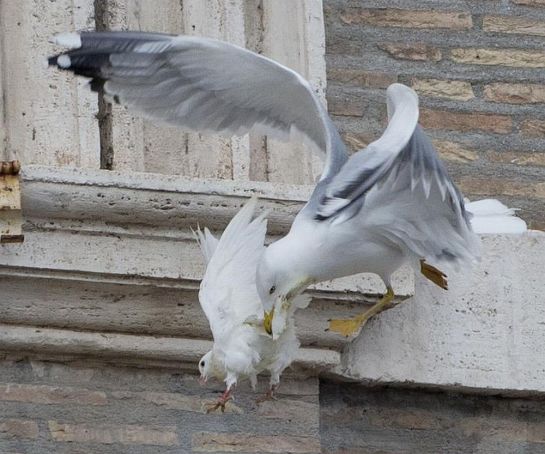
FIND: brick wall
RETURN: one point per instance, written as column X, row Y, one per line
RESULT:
column 360, row 420
column 478, row 67
column 52, row 408
column 87, row 408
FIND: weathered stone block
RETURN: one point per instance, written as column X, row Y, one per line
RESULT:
column 241, row 442
column 345, row 107
column 529, row 2
column 517, row 157
column 510, row 24
column 450, row 89
column 40, row 394
column 515, row 93
column 454, row 152
column 532, row 127
column 108, row 434
column 18, row 428
column 460, row 121
column 416, row 52
column 361, row 78
column 516, row 58
column 491, row 186
column 390, row 17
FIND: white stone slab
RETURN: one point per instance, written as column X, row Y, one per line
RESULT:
column 486, row 332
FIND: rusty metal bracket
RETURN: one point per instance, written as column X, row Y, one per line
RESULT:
column 11, row 217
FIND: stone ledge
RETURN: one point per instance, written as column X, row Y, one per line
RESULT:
column 145, row 221
column 484, row 334
column 170, row 352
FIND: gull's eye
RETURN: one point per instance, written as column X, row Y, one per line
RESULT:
column 272, row 290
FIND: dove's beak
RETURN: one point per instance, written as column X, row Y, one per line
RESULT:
column 202, row 380
column 267, row 321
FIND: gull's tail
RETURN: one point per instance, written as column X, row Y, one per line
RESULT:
column 492, row 216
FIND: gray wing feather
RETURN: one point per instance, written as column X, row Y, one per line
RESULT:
column 205, row 85
column 402, row 189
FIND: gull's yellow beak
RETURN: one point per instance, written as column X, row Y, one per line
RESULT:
column 267, row 321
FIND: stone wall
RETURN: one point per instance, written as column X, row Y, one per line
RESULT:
column 54, row 408
column 360, row 420
column 478, row 67
column 50, row 117
column 86, row 408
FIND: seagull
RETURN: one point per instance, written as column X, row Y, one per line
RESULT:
column 229, row 299
column 387, row 204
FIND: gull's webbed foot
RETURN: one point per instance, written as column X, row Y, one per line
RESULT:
column 351, row 326
column 434, row 274
column 346, row 327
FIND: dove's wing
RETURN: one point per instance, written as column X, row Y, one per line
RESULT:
column 202, row 84
column 228, row 292
column 207, row 243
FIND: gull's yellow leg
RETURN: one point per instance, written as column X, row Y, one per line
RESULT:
column 350, row 326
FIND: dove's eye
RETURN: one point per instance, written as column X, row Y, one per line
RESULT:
column 272, row 290
column 202, row 363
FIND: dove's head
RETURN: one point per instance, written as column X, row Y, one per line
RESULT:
column 205, row 367
column 278, row 283
column 210, row 367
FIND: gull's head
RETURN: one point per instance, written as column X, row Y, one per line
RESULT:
column 205, row 367
column 277, row 285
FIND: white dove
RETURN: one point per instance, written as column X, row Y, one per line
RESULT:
column 228, row 296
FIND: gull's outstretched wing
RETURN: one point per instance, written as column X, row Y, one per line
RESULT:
column 204, row 85
column 403, row 188
column 228, row 293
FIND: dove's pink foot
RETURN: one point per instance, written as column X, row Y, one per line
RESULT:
column 269, row 395
column 222, row 401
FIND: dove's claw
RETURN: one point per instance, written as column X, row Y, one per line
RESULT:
column 221, row 403
column 269, row 395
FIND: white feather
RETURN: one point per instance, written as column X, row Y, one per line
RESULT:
column 492, row 216
column 69, row 40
